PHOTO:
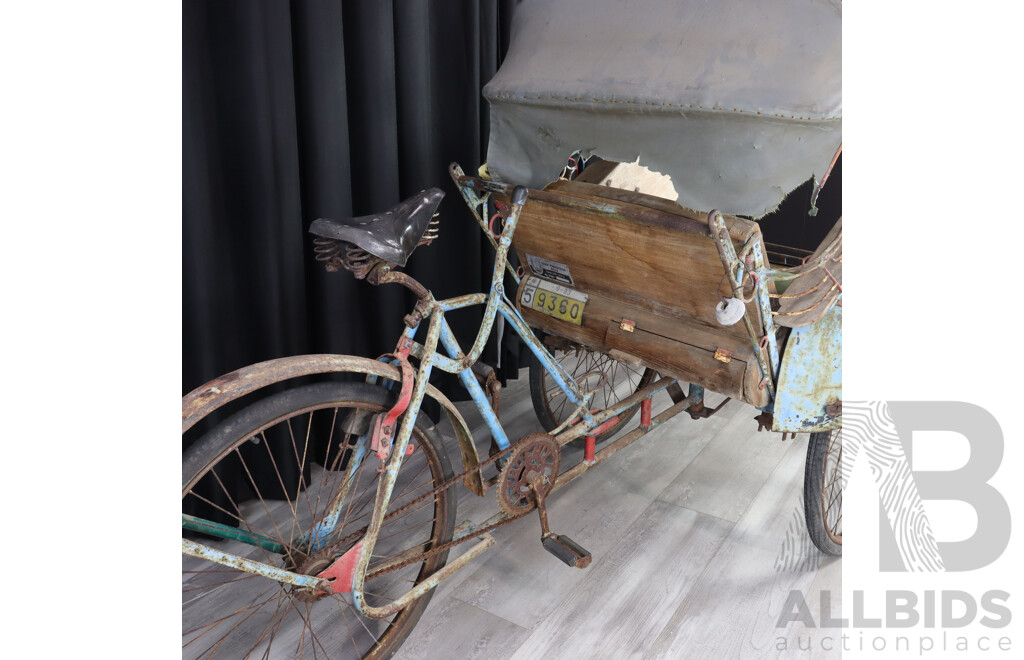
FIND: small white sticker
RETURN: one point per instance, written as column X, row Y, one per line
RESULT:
column 550, row 270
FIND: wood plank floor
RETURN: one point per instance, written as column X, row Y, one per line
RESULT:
column 697, row 536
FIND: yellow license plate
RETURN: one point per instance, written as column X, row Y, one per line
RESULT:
column 554, row 300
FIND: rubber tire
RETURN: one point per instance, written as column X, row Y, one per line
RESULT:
column 814, row 499
column 219, row 442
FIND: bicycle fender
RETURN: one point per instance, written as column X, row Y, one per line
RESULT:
column 203, row 400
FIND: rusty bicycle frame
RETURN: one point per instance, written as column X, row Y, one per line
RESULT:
column 389, row 435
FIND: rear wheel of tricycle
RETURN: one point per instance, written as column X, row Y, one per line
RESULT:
column 271, row 471
column 823, row 491
column 622, row 380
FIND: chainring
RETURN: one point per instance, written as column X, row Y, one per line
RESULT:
column 536, row 457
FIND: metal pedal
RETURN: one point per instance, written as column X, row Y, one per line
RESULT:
column 570, row 552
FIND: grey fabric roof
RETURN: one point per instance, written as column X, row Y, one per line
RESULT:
column 739, row 102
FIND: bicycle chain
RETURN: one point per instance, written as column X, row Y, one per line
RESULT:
column 443, row 547
column 445, row 486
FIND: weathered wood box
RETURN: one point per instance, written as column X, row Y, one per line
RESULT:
column 651, row 275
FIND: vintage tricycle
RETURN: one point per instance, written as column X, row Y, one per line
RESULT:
column 619, row 296
column 354, row 531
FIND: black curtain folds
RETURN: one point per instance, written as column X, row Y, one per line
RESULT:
column 299, row 110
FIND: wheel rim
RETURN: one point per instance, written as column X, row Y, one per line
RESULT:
column 832, row 487
column 228, row 613
column 621, row 381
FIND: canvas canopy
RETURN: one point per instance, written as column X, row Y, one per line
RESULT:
column 739, row 102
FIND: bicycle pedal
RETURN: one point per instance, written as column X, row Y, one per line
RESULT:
column 570, row 552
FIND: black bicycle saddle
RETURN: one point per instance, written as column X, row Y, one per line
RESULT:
column 391, row 235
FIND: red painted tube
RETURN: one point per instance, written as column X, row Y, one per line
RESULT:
column 588, row 451
column 604, row 427
column 645, row 414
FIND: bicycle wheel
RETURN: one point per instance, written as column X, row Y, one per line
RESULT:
column 287, row 457
column 823, row 491
column 551, row 405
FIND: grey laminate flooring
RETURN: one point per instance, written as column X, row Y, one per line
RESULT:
column 697, row 536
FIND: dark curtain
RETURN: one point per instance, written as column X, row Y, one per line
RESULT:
column 299, row 110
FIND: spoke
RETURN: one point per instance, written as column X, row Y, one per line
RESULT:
column 280, row 479
column 259, row 496
column 276, row 620
column 216, row 645
column 306, row 626
column 369, row 497
column 351, row 637
column 837, row 474
column 215, row 622
column 837, row 496
column 351, row 536
column 327, row 465
column 379, row 595
column 608, row 391
column 301, row 485
column 403, row 531
column 345, row 521
column 359, row 618
column 213, row 585
column 245, row 524
column 406, row 514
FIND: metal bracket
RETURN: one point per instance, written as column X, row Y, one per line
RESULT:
column 699, row 411
column 766, row 420
column 385, row 426
column 342, row 572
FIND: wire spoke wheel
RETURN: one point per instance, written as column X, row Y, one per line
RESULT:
column 272, row 471
column 823, row 491
column 622, row 380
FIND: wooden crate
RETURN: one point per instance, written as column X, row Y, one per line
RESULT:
column 646, row 260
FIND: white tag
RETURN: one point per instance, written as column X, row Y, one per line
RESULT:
column 550, row 270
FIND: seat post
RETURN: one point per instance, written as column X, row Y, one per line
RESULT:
column 383, row 274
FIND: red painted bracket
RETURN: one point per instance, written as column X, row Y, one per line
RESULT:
column 591, row 438
column 343, row 571
column 385, row 427
column 604, row 426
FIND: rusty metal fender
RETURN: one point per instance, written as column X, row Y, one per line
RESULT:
column 810, row 392
column 203, row 400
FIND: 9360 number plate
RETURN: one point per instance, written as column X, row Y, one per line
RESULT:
column 554, row 300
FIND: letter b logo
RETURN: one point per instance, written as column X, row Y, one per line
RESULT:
column 906, row 540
